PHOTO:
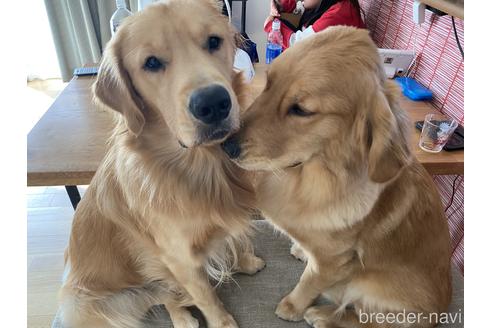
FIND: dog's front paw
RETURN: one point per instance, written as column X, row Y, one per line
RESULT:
column 320, row 316
column 226, row 322
column 250, row 264
column 288, row 311
column 186, row 322
column 297, row 252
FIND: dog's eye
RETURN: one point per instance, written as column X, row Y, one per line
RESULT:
column 153, row 64
column 214, row 43
column 295, row 109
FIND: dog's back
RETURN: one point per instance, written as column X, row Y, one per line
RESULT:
column 406, row 233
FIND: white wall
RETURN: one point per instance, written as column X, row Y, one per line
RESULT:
column 256, row 13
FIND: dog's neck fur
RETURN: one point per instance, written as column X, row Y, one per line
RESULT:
column 168, row 178
column 314, row 192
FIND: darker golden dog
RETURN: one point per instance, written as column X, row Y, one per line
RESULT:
column 335, row 173
column 166, row 208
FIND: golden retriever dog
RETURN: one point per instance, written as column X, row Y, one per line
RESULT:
column 335, row 172
column 166, row 209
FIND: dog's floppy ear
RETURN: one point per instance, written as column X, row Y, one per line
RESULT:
column 388, row 149
column 114, row 89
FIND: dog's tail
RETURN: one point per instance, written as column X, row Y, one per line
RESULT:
column 128, row 308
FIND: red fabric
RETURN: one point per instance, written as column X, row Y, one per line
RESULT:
column 341, row 13
column 288, row 6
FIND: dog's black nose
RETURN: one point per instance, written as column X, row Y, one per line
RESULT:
column 211, row 104
column 231, row 147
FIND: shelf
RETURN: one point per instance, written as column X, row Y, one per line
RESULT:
column 454, row 8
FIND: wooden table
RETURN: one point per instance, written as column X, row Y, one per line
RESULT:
column 451, row 7
column 67, row 144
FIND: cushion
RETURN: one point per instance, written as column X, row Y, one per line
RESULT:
column 252, row 299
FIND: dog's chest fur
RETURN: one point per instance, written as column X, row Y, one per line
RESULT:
column 310, row 201
column 173, row 206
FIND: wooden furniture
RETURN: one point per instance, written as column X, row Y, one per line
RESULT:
column 67, row 144
column 445, row 162
column 454, row 8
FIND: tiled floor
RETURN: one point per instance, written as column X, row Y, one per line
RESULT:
column 49, row 216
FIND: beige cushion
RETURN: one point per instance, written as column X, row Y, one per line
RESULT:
column 253, row 299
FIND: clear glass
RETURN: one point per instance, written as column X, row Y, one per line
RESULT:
column 436, row 132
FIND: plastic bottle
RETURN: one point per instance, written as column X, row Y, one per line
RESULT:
column 121, row 13
column 274, row 44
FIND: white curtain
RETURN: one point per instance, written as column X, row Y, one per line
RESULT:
column 42, row 62
column 80, row 30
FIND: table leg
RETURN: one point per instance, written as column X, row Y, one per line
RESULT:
column 74, row 195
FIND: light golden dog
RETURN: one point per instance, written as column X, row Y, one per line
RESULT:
column 166, row 208
column 336, row 174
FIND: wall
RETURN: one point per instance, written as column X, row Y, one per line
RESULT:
column 256, row 13
column 439, row 67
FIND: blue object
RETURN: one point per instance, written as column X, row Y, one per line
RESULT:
column 250, row 47
column 272, row 52
column 412, row 89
